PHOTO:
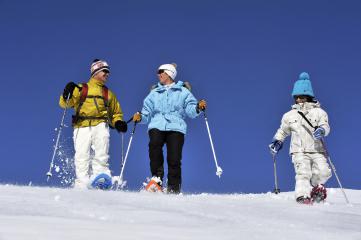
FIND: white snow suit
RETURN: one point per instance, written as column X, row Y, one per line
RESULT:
column 308, row 154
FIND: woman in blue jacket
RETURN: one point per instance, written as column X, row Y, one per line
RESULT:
column 164, row 110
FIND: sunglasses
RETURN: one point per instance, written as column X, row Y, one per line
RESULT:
column 160, row 71
column 301, row 96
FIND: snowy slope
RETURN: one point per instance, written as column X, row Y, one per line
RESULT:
column 59, row 214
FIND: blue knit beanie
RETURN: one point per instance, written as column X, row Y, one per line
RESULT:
column 303, row 86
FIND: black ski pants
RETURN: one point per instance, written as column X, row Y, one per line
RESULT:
column 174, row 141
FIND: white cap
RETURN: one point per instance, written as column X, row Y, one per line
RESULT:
column 99, row 65
column 169, row 69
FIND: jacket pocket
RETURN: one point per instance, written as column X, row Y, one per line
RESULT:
column 296, row 141
column 294, row 124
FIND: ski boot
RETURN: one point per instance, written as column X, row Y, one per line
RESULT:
column 154, row 185
column 173, row 189
column 304, row 200
column 319, row 193
column 101, row 181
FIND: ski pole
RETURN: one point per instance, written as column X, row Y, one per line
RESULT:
column 334, row 171
column 127, row 152
column 122, row 162
column 276, row 190
column 122, row 149
column 328, row 157
column 219, row 169
column 49, row 174
column 117, row 182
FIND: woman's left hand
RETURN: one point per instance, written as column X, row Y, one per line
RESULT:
column 202, row 105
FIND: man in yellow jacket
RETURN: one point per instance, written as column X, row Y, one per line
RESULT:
column 96, row 108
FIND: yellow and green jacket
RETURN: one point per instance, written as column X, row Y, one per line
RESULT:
column 94, row 107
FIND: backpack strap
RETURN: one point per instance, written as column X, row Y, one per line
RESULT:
column 105, row 92
column 187, row 85
column 153, row 87
column 308, row 121
column 83, row 95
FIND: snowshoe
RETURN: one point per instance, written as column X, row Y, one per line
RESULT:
column 304, row 200
column 154, row 185
column 319, row 193
column 102, row 181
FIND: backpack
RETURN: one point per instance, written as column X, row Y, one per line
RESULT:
column 83, row 96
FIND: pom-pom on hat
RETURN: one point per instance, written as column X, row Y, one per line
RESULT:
column 169, row 69
column 99, row 65
column 303, row 86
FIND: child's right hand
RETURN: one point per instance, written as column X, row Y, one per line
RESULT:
column 275, row 146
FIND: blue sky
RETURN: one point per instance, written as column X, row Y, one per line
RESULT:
column 241, row 56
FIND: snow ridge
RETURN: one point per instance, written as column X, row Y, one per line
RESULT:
column 53, row 213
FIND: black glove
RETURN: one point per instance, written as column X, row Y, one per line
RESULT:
column 68, row 90
column 121, row 126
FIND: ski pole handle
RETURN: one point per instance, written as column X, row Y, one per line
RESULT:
column 131, row 119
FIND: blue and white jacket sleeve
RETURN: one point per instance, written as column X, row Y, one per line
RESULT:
column 147, row 109
column 190, row 105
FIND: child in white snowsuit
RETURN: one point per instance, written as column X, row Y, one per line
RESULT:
column 306, row 147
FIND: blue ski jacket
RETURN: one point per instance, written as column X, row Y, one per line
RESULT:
column 165, row 109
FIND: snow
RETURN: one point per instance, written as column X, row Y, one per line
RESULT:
column 52, row 213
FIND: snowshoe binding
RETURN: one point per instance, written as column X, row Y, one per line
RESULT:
column 318, row 193
column 154, row 185
column 102, row 181
column 304, row 200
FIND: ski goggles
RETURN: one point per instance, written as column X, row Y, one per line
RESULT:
column 301, row 96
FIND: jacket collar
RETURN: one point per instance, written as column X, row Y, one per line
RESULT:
column 96, row 82
column 305, row 107
column 177, row 86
